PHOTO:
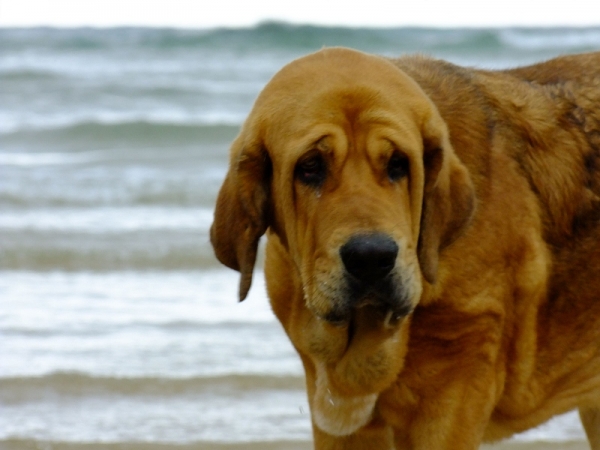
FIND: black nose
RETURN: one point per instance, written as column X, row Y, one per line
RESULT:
column 369, row 257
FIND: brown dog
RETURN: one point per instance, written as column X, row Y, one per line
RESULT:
column 433, row 243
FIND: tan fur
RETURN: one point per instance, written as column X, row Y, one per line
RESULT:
column 498, row 229
column 590, row 418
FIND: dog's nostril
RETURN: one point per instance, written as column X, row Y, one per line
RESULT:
column 369, row 257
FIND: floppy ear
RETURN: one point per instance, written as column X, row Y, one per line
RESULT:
column 448, row 197
column 241, row 214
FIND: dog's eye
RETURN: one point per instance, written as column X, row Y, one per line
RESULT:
column 311, row 171
column 397, row 167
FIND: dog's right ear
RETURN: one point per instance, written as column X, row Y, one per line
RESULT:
column 241, row 214
column 448, row 197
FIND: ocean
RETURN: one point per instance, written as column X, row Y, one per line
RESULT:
column 118, row 327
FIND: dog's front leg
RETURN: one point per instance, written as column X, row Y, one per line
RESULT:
column 450, row 385
column 374, row 437
column 590, row 418
column 450, row 417
column 455, row 420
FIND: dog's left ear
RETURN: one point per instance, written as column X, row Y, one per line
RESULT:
column 448, row 197
column 241, row 214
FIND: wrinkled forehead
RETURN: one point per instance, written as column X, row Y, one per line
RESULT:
column 339, row 86
column 339, row 66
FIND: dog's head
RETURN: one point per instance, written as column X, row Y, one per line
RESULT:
column 348, row 161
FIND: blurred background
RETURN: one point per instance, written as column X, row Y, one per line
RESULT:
column 118, row 328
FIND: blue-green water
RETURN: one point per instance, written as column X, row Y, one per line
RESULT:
column 117, row 325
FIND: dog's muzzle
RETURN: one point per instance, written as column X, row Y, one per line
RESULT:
column 371, row 277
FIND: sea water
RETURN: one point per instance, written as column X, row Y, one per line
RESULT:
column 117, row 325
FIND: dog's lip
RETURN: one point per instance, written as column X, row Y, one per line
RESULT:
column 389, row 316
column 338, row 318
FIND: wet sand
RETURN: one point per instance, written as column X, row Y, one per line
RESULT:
column 540, row 445
column 17, row 444
column 510, row 445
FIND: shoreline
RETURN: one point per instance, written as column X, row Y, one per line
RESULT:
column 26, row 444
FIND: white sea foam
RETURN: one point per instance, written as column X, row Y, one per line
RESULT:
column 30, row 121
column 236, row 417
column 107, row 219
column 138, row 324
column 50, row 159
column 563, row 428
column 550, row 39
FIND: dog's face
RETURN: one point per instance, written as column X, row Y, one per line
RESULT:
column 350, row 164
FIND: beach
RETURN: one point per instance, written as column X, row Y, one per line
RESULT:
column 118, row 327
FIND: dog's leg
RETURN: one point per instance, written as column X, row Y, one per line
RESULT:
column 368, row 438
column 444, row 401
column 450, row 416
column 454, row 421
column 590, row 418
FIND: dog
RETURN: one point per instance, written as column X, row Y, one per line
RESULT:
column 433, row 243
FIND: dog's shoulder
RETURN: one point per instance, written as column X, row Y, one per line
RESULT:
column 462, row 104
column 582, row 69
column 444, row 82
column 568, row 157
column 547, row 117
column 573, row 82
